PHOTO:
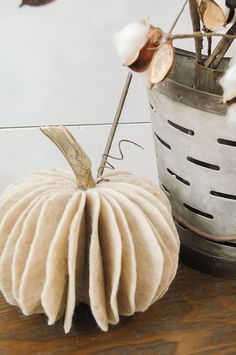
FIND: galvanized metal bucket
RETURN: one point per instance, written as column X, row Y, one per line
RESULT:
column 196, row 157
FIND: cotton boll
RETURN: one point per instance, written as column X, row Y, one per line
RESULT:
column 231, row 117
column 228, row 82
column 130, row 40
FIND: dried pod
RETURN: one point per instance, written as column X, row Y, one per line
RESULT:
column 146, row 54
column 214, row 14
column 35, row 2
column 136, row 44
column 162, row 62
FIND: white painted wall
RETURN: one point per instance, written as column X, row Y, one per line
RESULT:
column 58, row 66
column 58, row 63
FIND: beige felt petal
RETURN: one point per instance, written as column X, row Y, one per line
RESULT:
column 162, row 207
column 54, row 292
column 76, row 260
column 111, row 249
column 164, row 235
column 22, row 195
column 157, row 223
column 128, row 277
column 166, row 228
column 96, row 277
column 20, row 191
column 132, row 179
column 13, row 213
column 173, row 235
column 65, row 175
column 168, row 235
column 172, row 240
column 167, row 215
column 37, row 180
column 149, row 257
column 8, row 252
column 28, row 183
column 34, row 274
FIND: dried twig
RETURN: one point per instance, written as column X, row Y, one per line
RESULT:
column 35, row 2
column 177, row 18
column 201, row 34
column 209, row 41
column 217, row 55
column 114, row 125
column 196, row 28
column 195, row 35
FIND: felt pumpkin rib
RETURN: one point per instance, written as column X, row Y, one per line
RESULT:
column 111, row 250
column 161, row 208
column 134, row 180
column 17, row 201
column 149, row 258
column 128, row 277
column 54, row 292
column 22, row 246
column 96, row 277
column 8, row 252
column 157, row 223
column 31, row 183
column 160, row 203
column 65, row 174
column 168, row 222
column 76, row 260
column 16, row 198
column 14, row 212
column 34, row 274
column 165, row 227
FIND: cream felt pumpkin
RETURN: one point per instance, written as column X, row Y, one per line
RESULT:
column 64, row 240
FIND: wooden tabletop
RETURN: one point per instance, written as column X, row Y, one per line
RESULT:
column 197, row 316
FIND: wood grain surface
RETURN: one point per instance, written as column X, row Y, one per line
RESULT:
column 197, row 316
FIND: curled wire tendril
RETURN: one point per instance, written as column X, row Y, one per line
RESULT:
column 108, row 165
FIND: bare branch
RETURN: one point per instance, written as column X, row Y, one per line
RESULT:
column 196, row 28
column 177, row 18
column 217, row 55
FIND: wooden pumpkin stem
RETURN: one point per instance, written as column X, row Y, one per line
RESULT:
column 74, row 154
